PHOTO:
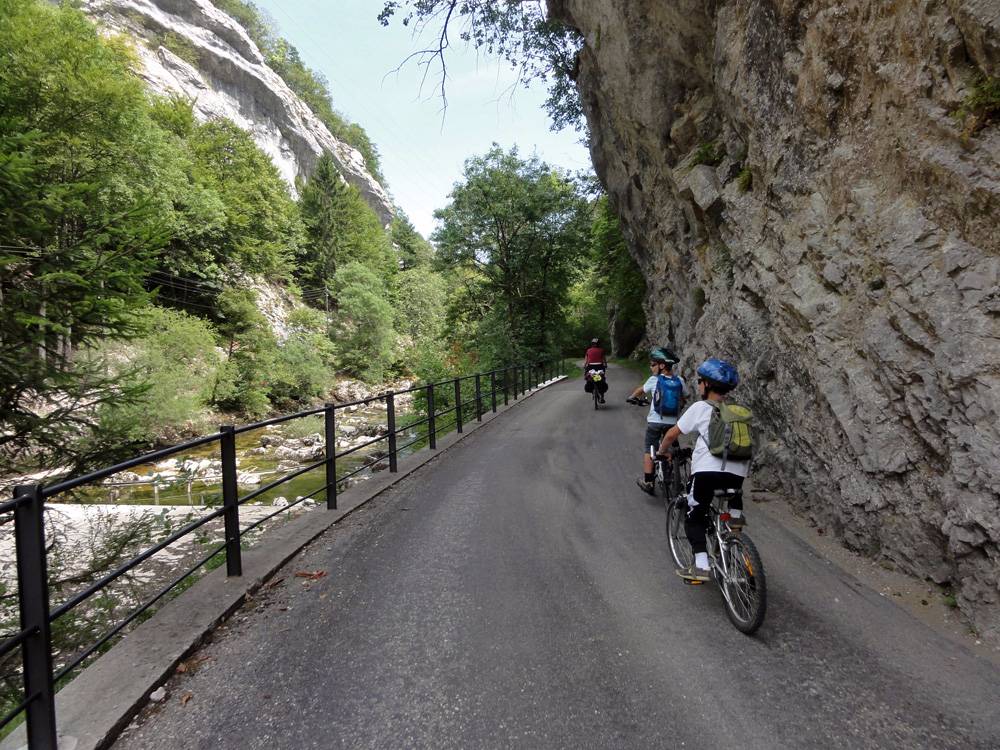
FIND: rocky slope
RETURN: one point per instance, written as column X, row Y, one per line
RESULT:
column 231, row 80
column 844, row 250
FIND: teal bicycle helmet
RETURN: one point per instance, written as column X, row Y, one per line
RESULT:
column 664, row 355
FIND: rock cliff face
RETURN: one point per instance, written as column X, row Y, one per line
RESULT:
column 231, row 80
column 802, row 201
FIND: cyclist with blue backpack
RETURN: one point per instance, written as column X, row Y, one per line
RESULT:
column 720, row 459
column 666, row 398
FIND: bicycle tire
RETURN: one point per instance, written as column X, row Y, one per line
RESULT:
column 597, row 398
column 745, row 588
column 680, row 547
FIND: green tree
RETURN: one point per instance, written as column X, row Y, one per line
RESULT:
column 262, row 231
column 78, row 152
column 242, row 383
column 340, row 228
column 617, row 278
column 523, row 228
column 411, row 248
column 419, row 303
column 363, row 331
column 304, row 362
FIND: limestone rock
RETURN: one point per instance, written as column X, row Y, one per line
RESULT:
column 856, row 283
column 231, row 80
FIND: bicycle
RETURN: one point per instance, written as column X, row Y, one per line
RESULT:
column 596, row 378
column 671, row 474
column 733, row 557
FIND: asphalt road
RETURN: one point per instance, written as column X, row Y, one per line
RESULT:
column 519, row 593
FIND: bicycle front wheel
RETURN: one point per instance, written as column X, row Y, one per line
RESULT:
column 745, row 588
column 680, row 547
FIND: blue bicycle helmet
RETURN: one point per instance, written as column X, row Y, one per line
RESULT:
column 719, row 372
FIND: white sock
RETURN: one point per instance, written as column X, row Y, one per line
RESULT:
column 701, row 560
column 736, row 513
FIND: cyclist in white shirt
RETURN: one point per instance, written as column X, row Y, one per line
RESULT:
column 716, row 378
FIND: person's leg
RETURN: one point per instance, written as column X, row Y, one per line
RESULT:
column 699, row 499
column 703, row 487
column 652, row 437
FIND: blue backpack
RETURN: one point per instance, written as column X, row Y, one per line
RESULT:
column 667, row 398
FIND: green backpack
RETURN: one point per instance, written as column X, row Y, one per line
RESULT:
column 730, row 432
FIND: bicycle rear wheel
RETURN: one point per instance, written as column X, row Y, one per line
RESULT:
column 597, row 397
column 745, row 588
column 680, row 547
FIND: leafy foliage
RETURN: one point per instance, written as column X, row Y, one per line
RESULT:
column 340, row 228
column 981, row 105
column 709, row 153
column 363, row 330
column 80, row 228
column 261, row 231
column 522, row 229
column 175, row 362
column 520, row 32
column 412, row 249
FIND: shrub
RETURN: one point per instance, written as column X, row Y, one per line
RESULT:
column 708, row 153
column 745, row 179
column 177, row 361
column 981, row 105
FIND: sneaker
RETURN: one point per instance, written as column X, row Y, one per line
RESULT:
column 645, row 486
column 691, row 573
column 602, row 399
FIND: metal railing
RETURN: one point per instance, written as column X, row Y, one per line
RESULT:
column 40, row 676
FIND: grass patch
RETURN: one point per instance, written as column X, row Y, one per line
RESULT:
column 981, row 105
column 950, row 601
column 177, row 44
column 709, row 153
column 745, row 179
column 640, row 366
column 572, row 369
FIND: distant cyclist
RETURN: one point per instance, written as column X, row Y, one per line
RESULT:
column 659, row 419
column 716, row 378
column 595, row 359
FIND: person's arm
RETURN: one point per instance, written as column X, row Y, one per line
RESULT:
column 637, row 392
column 672, row 434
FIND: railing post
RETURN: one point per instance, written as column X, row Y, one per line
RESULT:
column 331, row 456
column 479, row 399
column 493, row 390
column 512, row 371
column 506, row 384
column 390, row 417
column 33, row 594
column 458, row 405
column 230, row 501
column 431, row 426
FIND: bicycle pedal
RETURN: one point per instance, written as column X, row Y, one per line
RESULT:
column 693, row 583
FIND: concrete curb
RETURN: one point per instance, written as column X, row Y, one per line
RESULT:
column 96, row 706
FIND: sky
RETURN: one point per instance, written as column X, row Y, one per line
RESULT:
column 422, row 149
